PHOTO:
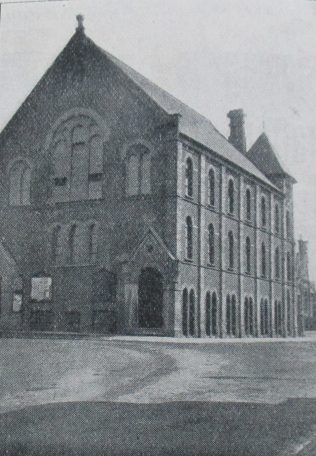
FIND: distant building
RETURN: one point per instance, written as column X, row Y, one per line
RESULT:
column 127, row 211
column 305, row 288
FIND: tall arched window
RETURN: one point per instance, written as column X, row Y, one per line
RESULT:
column 289, row 309
column 276, row 219
column 231, row 250
column 192, row 313
column 74, row 244
column 138, row 179
column 93, row 243
column 288, row 266
column 211, row 247
column 214, row 315
column 132, row 174
column 20, row 184
column 189, row 238
column 264, row 317
column 278, row 317
column 249, row 316
column 263, row 260
column 231, row 196
column 228, row 315
column 211, row 187
column 277, row 263
column 248, row 255
column 76, row 153
column 208, row 314
column 246, row 316
column 231, row 316
column 189, row 177
column 248, row 204
column 56, row 244
column 263, row 212
column 288, row 224
column 211, row 314
column 185, row 300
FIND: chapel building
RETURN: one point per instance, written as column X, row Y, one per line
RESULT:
column 125, row 211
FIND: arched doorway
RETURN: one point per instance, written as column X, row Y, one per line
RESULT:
column 150, row 299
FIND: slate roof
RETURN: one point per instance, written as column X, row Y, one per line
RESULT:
column 265, row 157
column 192, row 124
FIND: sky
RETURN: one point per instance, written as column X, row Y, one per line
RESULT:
column 215, row 55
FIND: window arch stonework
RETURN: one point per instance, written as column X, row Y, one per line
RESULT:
column 75, row 147
column 189, row 177
column 211, row 187
column 19, row 174
column 231, row 196
column 138, row 170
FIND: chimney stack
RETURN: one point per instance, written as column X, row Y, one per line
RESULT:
column 237, row 135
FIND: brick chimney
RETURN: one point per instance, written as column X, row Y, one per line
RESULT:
column 237, row 135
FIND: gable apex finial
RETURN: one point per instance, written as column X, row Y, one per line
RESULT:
column 80, row 19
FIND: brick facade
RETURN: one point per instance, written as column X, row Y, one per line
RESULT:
column 102, row 207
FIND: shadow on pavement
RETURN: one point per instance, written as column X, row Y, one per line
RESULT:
column 178, row 428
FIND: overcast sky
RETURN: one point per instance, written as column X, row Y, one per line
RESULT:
column 215, row 55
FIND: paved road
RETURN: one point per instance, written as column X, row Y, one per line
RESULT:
column 106, row 395
column 40, row 371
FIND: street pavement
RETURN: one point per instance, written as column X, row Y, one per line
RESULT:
column 268, row 379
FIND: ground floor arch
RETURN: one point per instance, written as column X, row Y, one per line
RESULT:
column 150, row 298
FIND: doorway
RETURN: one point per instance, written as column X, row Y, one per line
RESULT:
column 150, row 299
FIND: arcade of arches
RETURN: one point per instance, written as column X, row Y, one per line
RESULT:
column 232, row 320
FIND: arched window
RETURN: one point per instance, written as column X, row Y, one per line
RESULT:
column 211, row 317
column 289, row 309
column 189, row 177
column 263, row 260
column 138, row 179
column 189, row 238
column 132, row 174
column 74, row 244
column 264, row 317
column 211, row 247
column 276, row 219
column 95, row 167
column 228, row 315
column 231, row 250
column 76, row 153
column 278, row 317
column 246, row 316
column 248, row 255
column 231, row 196
column 263, row 212
column 93, row 243
column 251, row 317
column 277, row 263
column 185, row 312
column 192, row 313
column 248, row 204
column 211, row 187
column 208, row 314
column 288, row 224
column 20, row 184
column 56, row 244
column 231, row 316
column 288, row 266
column 214, row 315
column 234, row 316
